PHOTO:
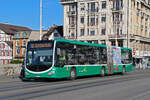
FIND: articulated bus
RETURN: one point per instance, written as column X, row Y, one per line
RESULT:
column 71, row 59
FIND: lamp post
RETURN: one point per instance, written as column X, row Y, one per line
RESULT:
column 40, row 19
column 128, row 24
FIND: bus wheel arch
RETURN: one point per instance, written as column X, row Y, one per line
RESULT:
column 73, row 73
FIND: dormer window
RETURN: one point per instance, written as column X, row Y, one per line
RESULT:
column 56, row 34
column 18, row 34
column 24, row 34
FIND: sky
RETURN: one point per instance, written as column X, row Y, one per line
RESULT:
column 27, row 13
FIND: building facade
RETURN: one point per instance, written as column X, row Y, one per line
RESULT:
column 5, row 46
column 124, row 23
column 55, row 32
column 13, row 41
column 20, row 40
column 35, row 34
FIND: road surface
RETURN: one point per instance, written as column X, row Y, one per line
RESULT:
column 132, row 86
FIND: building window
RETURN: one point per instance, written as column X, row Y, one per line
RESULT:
column 24, row 42
column 10, row 38
column 103, row 19
column 96, row 21
column 72, row 8
column 3, row 53
column 121, row 3
column 92, row 33
column 8, row 61
column 89, row 32
column 82, row 6
column 82, row 9
column 103, row 4
column 121, row 17
column 92, row 21
column 3, row 61
column 82, row 20
column 8, row 53
column 56, row 35
column 82, row 32
column 24, row 34
column 120, row 31
column 17, row 42
column 3, row 45
column 72, row 35
column 24, row 51
column 18, row 50
column 93, row 6
column 103, row 31
column 120, row 43
column 18, row 34
column 113, row 43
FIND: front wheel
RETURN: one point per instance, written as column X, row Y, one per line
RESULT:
column 73, row 74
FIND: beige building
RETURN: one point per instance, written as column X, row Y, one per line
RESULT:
column 124, row 23
column 35, row 35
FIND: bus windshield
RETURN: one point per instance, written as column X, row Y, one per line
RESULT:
column 39, row 56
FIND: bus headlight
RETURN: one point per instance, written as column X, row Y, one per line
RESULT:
column 52, row 72
column 26, row 73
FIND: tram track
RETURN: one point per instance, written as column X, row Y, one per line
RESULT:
column 76, row 86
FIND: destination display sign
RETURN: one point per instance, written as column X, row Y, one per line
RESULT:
column 41, row 45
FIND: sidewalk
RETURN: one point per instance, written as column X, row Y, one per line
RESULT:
column 9, row 78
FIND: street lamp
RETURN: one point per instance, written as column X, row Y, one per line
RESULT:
column 40, row 19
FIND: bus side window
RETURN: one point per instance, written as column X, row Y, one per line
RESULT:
column 103, row 55
column 81, row 55
column 126, row 56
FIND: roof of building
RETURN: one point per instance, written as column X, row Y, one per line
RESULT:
column 12, row 29
column 51, row 30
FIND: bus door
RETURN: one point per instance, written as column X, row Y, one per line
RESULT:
column 109, row 60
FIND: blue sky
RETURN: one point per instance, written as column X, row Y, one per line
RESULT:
column 27, row 13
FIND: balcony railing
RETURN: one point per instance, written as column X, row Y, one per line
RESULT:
column 71, row 13
column 116, row 9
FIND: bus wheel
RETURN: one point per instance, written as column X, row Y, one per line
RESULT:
column 73, row 74
column 123, row 70
column 103, row 71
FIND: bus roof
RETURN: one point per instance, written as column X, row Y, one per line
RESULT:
column 77, row 42
column 86, row 43
column 81, row 43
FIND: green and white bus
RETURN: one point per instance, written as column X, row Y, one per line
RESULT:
column 70, row 59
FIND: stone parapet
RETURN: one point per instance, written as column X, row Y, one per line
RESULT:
column 10, row 69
